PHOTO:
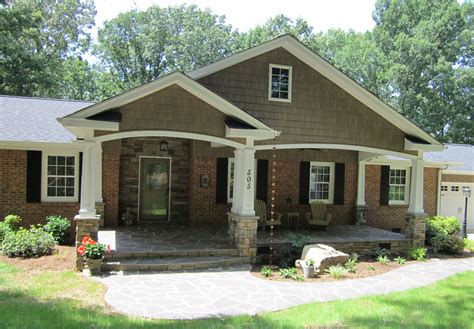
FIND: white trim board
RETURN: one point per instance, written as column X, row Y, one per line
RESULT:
column 320, row 65
column 181, row 80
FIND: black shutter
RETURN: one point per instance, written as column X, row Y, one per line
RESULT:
column 221, row 180
column 80, row 175
column 33, row 176
column 384, row 184
column 304, row 182
column 339, row 174
column 262, row 180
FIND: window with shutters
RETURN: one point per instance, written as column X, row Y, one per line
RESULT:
column 399, row 185
column 60, row 177
column 321, row 182
column 279, row 83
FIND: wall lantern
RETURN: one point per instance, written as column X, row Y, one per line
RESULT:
column 466, row 191
column 163, row 145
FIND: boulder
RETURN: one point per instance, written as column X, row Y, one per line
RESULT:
column 323, row 256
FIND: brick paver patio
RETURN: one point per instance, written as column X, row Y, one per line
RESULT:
column 234, row 291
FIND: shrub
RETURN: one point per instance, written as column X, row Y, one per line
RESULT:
column 468, row 244
column 33, row 242
column 58, row 226
column 291, row 273
column 444, row 234
column 418, row 254
column 337, row 271
column 351, row 263
column 400, row 260
column 377, row 252
column 10, row 223
column 293, row 251
column 384, row 260
column 266, row 271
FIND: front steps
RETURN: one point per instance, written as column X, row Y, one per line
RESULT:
column 172, row 260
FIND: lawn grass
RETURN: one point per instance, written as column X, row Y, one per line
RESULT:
column 66, row 300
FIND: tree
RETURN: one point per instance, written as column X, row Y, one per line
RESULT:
column 140, row 46
column 429, row 48
column 36, row 37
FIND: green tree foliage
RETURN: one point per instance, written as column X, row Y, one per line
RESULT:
column 139, row 46
column 36, row 38
column 429, row 48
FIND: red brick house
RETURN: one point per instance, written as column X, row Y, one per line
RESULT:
column 200, row 147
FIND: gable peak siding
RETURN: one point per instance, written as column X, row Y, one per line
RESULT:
column 320, row 111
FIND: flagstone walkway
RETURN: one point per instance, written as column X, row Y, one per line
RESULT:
column 234, row 291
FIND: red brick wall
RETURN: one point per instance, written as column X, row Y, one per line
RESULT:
column 393, row 216
column 202, row 201
column 13, row 192
column 110, row 187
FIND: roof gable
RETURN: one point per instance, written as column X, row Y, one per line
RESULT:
column 306, row 55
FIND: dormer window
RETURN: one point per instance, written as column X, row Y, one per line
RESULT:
column 279, row 85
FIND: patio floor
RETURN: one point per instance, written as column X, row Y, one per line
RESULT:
column 169, row 237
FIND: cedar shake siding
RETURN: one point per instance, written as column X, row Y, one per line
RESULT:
column 320, row 111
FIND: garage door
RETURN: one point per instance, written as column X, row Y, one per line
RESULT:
column 453, row 203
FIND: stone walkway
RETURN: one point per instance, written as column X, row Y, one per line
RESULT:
column 234, row 291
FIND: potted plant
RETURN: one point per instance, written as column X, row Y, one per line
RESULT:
column 92, row 252
column 308, row 268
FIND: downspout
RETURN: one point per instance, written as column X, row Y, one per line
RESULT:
column 438, row 192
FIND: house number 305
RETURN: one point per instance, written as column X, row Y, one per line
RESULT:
column 249, row 179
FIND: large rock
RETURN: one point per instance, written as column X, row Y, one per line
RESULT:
column 323, row 256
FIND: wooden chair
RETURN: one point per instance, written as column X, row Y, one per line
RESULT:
column 319, row 215
column 261, row 212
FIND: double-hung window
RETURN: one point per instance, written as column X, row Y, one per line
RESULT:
column 60, row 177
column 279, row 83
column 321, row 182
column 399, row 185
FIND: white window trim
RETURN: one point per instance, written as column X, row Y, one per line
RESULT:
column 407, row 185
column 331, row 181
column 44, row 177
column 290, row 82
column 229, row 161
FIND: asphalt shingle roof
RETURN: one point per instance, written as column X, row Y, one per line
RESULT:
column 454, row 153
column 34, row 119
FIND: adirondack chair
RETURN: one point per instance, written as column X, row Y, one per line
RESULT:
column 319, row 215
column 261, row 212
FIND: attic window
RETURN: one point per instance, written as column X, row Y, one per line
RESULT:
column 279, row 83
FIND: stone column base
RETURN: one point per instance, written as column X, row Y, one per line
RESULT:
column 415, row 229
column 85, row 226
column 361, row 215
column 243, row 234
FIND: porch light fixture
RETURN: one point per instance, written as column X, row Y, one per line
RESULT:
column 163, row 145
column 466, row 191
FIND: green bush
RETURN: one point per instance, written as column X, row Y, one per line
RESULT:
column 33, row 242
column 352, row 263
column 293, row 250
column 418, row 254
column 337, row 271
column 469, row 244
column 291, row 273
column 266, row 271
column 400, row 260
column 378, row 252
column 58, row 226
column 9, row 224
column 444, row 234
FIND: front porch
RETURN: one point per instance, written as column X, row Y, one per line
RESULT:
column 140, row 239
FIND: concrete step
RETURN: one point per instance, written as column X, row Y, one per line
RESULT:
column 172, row 254
column 171, row 264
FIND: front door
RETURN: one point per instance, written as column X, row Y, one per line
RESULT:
column 154, row 191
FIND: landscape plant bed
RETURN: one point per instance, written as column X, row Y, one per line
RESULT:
column 363, row 271
column 63, row 259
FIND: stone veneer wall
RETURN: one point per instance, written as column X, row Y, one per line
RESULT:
column 178, row 150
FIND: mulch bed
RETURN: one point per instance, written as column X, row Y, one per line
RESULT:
column 62, row 260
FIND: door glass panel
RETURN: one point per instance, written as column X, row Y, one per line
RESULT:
column 154, row 189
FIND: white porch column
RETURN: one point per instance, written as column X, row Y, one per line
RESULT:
column 88, row 186
column 98, row 173
column 244, row 185
column 361, row 184
column 416, row 188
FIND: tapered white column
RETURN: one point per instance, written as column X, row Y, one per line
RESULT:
column 98, row 173
column 88, row 187
column 416, row 188
column 361, row 184
column 244, row 185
